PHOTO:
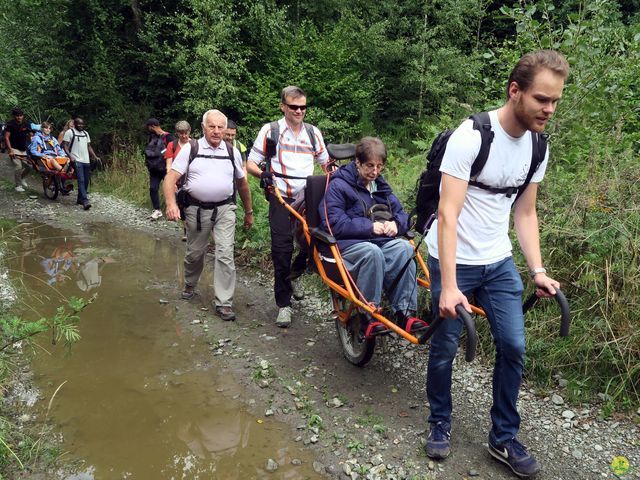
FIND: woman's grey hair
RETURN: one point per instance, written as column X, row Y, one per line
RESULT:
column 183, row 126
column 370, row 148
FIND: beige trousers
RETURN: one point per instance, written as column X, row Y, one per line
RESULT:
column 224, row 269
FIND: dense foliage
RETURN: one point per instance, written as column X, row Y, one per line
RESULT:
column 402, row 70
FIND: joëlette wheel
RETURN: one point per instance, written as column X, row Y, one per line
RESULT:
column 356, row 349
column 50, row 187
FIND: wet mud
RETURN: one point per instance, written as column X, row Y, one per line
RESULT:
column 139, row 396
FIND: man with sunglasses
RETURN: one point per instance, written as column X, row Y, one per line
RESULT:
column 297, row 146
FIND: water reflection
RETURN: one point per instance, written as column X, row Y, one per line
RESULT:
column 142, row 398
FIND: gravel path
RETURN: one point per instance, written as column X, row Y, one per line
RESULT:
column 370, row 422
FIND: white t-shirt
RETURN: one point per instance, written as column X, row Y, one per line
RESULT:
column 483, row 225
column 79, row 151
column 294, row 156
column 210, row 179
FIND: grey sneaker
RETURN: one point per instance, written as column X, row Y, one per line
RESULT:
column 156, row 214
column 19, row 189
column 284, row 317
column 437, row 446
column 297, row 288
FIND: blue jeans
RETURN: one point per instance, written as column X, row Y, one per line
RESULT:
column 83, row 173
column 498, row 289
column 376, row 267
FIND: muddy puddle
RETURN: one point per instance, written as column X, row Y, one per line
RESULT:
column 139, row 397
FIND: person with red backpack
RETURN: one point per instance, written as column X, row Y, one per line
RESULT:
column 155, row 161
column 470, row 253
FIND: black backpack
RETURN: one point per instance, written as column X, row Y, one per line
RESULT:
column 154, row 151
column 428, row 185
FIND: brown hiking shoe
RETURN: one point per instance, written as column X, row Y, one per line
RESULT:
column 226, row 313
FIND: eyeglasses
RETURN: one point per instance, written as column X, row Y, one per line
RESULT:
column 295, row 108
column 373, row 166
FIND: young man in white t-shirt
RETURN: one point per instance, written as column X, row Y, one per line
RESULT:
column 470, row 251
column 77, row 145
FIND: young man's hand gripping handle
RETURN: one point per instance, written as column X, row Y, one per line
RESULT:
column 452, row 195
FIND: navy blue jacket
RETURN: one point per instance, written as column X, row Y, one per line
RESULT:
column 348, row 200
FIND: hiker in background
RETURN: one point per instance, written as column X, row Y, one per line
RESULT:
column 183, row 132
column 470, row 252
column 230, row 136
column 67, row 126
column 293, row 148
column 17, row 136
column 77, row 145
column 213, row 173
column 155, row 161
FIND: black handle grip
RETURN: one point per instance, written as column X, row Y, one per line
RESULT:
column 472, row 336
column 565, row 313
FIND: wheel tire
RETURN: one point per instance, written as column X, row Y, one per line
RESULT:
column 50, row 187
column 355, row 348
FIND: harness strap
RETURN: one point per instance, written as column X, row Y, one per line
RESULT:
column 207, row 206
column 291, row 177
column 509, row 191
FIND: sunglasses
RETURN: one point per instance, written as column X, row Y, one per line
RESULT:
column 302, row 108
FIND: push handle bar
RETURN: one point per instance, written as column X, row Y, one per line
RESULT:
column 565, row 313
column 472, row 336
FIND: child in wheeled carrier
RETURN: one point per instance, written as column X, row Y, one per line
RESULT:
column 46, row 150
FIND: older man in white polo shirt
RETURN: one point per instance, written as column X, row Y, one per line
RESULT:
column 212, row 177
column 298, row 146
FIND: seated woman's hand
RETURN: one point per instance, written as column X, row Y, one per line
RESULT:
column 390, row 229
column 378, row 228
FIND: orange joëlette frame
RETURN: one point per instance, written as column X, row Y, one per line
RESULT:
column 348, row 291
column 62, row 161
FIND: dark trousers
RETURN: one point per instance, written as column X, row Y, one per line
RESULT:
column 83, row 174
column 282, row 236
column 155, row 178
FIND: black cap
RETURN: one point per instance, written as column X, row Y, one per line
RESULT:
column 153, row 122
column 231, row 124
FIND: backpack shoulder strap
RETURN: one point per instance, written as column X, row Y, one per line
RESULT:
column 274, row 131
column 233, row 165
column 73, row 138
column 193, row 153
column 538, row 152
column 312, row 137
column 482, row 123
column 193, row 144
column 273, row 138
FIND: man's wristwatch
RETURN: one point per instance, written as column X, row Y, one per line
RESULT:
column 533, row 272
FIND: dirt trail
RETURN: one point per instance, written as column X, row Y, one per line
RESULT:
column 359, row 422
